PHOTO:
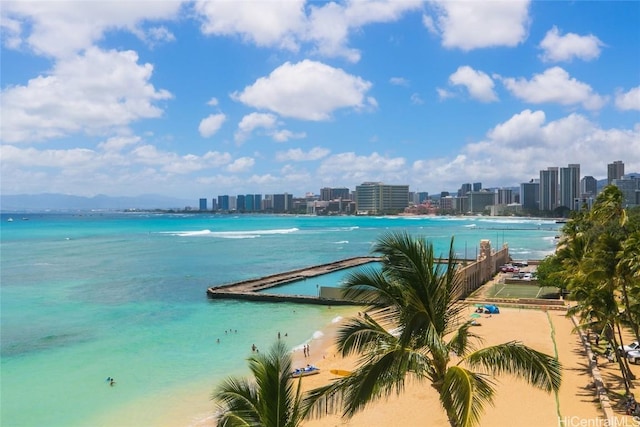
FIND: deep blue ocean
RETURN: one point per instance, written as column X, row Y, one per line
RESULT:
column 95, row 295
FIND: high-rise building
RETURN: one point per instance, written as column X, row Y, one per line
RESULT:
column 249, row 203
column 203, row 204
column 630, row 188
column 548, row 189
column 569, row 186
column 588, row 186
column 477, row 186
column 328, row 194
column 421, row 197
column 282, row 203
column 615, row 170
column 223, row 203
column 480, row 200
column 464, row 189
column 240, row 203
column 504, row 196
column 378, row 198
column 530, row 194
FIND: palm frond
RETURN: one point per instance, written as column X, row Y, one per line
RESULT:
column 464, row 394
column 538, row 369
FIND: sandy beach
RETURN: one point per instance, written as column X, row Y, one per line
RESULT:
column 516, row 403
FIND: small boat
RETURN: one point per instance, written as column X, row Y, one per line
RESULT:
column 9, row 219
column 305, row 372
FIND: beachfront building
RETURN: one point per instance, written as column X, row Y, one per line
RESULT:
column 373, row 198
column 548, row 189
column 223, row 203
column 569, row 186
column 327, row 194
column 203, row 204
column 480, row 201
column 282, row 203
column 530, row 194
column 504, row 196
column 615, row 170
column 240, row 203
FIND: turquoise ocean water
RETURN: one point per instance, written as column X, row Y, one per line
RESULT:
column 84, row 297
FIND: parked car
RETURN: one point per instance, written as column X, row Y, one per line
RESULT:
column 624, row 349
column 527, row 276
column 633, row 356
column 507, row 268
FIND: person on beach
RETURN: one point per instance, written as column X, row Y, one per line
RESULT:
column 253, row 348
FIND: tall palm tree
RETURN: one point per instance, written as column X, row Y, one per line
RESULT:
column 270, row 400
column 414, row 327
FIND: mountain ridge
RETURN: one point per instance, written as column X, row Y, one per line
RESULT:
column 68, row 202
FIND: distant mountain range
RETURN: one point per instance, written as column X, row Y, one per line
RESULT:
column 65, row 202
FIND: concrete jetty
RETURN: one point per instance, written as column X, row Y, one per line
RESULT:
column 250, row 289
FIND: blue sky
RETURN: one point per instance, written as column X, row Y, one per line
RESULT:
column 197, row 99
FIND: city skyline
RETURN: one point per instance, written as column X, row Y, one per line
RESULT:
column 201, row 98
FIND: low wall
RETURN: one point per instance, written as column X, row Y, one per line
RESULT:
column 484, row 268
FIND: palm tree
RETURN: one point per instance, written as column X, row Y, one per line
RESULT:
column 268, row 401
column 414, row 328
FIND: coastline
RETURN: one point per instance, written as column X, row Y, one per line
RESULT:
column 515, row 402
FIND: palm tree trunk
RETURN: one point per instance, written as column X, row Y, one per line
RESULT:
column 624, row 367
column 627, row 307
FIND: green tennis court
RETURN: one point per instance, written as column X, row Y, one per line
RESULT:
column 501, row 290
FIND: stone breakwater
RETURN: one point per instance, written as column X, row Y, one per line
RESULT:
column 250, row 289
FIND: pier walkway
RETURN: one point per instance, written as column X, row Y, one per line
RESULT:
column 250, row 289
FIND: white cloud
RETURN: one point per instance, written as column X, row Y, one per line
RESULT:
column 557, row 47
column 117, row 166
column 298, row 155
column 213, row 102
column 243, row 164
column 285, row 135
column 478, row 84
column 629, row 100
column 211, row 125
column 516, row 150
column 254, row 121
column 326, row 27
column 522, row 130
column 444, row 94
column 118, row 143
column 399, row 81
column 350, row 167
column 329, row 25
column 307, row 90
column 60, row 29
column 99, row 91
column 554, row 85
column 265, row 23
column 471, row 25
column 416, row 99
